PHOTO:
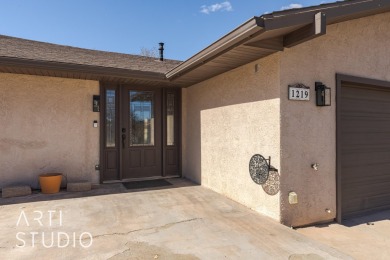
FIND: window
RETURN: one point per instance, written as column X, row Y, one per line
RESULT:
column 170, row 119
column 141, row 118
column 110, row 118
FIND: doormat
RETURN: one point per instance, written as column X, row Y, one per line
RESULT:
column 146, row 184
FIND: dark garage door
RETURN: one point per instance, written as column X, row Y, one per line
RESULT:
column 363, row 148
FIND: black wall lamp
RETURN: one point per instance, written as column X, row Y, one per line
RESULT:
column 96, row 103
column 323, row 95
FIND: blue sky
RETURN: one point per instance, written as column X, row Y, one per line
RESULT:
column 186, row 26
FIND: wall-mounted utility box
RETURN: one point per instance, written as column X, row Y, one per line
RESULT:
column 292, row 198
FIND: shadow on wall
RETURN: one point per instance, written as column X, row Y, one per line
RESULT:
column 272, row 185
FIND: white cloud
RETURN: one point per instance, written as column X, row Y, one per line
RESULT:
column 224, row 6
column 291, row 6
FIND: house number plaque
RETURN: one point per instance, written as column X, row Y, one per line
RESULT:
column 298, row 92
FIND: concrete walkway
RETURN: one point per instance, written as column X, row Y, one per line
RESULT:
column 183, row 222
column 363, row 238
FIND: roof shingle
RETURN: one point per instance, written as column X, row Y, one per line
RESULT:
column 41, row 51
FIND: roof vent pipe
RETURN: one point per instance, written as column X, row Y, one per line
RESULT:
column 161, row 49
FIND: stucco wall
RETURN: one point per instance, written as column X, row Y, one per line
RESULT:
column 226, row 120
column 46, row 125
column 308, row 133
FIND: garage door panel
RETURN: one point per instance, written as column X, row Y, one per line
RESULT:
column 361, row 112
column 378, row 153
column 360, row 175
column 370, row 139
column 369, row 121
column 364, row 126
column 361, row 107
column 357, row 206
column 360, row 92
column 366, row 185
column 365, row 148
column 353, row 202
column 374, row 99
column 366, row 188
column 356, row 157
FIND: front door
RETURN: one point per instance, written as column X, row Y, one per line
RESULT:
column 141, row 133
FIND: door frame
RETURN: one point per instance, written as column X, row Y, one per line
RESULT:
column 340, row 78
column 118, row 87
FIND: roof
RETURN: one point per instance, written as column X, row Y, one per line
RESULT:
column 268, row 34
column 33, row 55
column 257, row 38
column 34, row 50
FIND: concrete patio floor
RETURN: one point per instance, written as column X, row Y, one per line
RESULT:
column 366, row 237
column 184, row 221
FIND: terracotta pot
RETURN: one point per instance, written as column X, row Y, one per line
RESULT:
column 50, row 183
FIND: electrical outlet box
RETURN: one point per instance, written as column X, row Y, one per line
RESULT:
column 292, row 198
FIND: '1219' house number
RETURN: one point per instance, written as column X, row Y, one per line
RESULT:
column 299, row 93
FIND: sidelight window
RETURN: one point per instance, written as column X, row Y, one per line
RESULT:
column 110, row 118
column 170, row 119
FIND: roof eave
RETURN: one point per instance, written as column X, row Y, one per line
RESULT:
column 246, row 31
column 295, row 19
column 80, row 68
column 334, row 12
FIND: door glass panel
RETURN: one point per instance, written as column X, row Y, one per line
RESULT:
column 141, row 118
column 110, row 118
column 170, row 119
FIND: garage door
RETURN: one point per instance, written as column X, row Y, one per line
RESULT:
column 364, row 148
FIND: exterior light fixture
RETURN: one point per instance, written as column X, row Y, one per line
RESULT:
column 323, row 95
column 96, row 103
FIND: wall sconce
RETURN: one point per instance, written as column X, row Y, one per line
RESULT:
column 96, row 103
column 323, row 95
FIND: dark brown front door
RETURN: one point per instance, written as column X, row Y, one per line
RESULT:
column 141, row 133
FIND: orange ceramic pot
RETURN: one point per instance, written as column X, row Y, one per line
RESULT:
column 50, row 183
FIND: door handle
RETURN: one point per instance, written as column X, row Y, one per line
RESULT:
column 123, row 141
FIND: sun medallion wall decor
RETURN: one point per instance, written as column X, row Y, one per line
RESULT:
column 258, row 169
column 264, row 174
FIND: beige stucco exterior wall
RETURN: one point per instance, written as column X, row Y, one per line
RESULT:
column 228, row 119
column 308, row 133
column 46, row 125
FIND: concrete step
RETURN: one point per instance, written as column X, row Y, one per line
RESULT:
column 79, row 186
column 15, row 191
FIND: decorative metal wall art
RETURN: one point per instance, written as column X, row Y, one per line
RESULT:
column 259, row 168
column 264, row 174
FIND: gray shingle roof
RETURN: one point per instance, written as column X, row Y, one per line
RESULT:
column 41, row 51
